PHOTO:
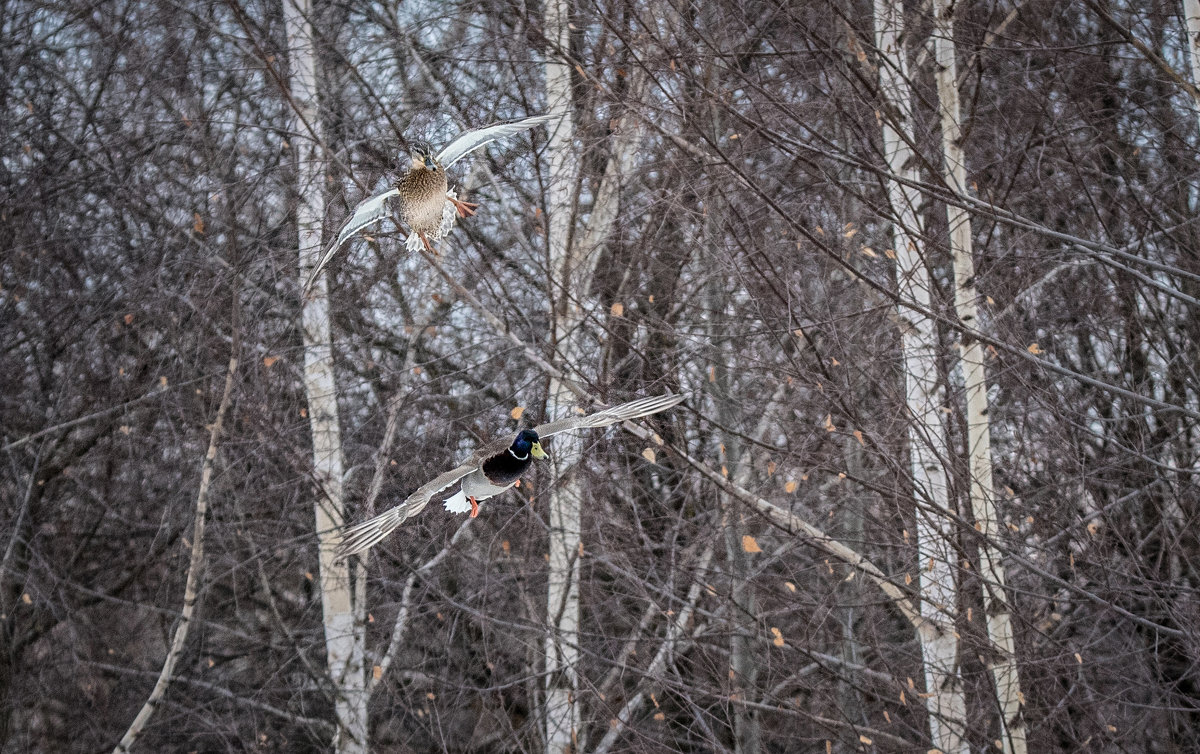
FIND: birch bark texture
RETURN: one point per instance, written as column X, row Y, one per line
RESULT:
column 561, row 717
column 1003, row 665
column 1191, row 20
column 924, row 394
column 342, row 619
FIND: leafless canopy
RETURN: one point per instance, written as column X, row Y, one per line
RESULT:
column 741, row 251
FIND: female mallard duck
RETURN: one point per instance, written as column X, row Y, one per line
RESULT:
column 492, row 469
column 427, row 205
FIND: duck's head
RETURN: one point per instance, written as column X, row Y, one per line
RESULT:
column 526, row 443
column 423, row 156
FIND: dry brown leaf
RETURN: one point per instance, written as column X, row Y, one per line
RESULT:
column 790, row 486
column 778, row 640
column 1035, row 349
column 750, row 544
column 617, row 309
column 516, row 412
column 649, row 455
column 269, row 361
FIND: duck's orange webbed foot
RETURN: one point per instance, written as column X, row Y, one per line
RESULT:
column 474, row 507
column 465, row 209
column 428, row 246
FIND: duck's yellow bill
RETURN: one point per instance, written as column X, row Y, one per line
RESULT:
column 537, row 451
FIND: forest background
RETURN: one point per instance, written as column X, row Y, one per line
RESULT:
column 927, row 272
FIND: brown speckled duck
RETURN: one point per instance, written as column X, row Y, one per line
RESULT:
column 427, row 205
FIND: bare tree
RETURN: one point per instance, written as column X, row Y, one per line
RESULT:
column 343, row 619
column 562, row 731
column 727, row 204
column 982, row 493
column 925, row 395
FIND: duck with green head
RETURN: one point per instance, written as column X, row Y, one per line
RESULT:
column 497, row 473
column 492, row 469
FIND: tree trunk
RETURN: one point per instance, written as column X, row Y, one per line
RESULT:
column 560, row 705
column 743, row 665
column 1191, row 19
column 344, row 624
column 924, row 395
column 1003, row 665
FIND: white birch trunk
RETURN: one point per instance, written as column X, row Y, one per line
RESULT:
column 344, row 634
column 1191, row 19
column 572, row 263
column 560, row 705
column 979, row 445
column 924, row 396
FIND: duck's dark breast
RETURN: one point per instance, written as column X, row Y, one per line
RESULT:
column 503, row 468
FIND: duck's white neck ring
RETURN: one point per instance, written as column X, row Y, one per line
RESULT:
column 519, row 458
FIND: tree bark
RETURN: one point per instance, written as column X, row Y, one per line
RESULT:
column 924, row 395
column 1003, row 664
column 1191, row 19
column 561, row 724
column 343, row 619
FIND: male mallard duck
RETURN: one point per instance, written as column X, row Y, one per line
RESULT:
column 492, row 469
column 427, row 206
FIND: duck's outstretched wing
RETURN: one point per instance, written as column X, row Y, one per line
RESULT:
column 468, row 142
column 368, row 212
column 371, row 532
column 632, row 410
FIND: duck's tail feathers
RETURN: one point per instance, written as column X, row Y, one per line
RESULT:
column 457, row 503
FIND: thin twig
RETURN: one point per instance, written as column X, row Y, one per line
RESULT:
column 401, row 626
column 192, row 586
column 324, row 725
column 665, row 650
